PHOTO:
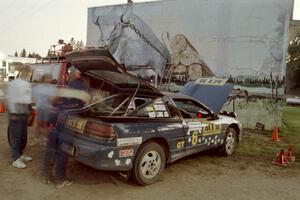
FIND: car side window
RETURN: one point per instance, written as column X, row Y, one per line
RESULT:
column 153, row 109
column 190, row 108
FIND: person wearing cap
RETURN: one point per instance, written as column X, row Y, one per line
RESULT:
column 19, row 99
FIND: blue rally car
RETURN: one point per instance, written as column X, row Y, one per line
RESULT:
column 134, row 128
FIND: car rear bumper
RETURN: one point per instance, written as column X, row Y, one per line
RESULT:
column 98, row 156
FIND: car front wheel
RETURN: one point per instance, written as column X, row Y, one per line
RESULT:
column 230, row 143
column 149, row 164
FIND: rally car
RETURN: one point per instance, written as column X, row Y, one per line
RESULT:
column 136, row 128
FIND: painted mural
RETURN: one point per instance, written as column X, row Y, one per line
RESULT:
column 180, row 41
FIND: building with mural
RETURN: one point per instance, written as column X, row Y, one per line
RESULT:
column 244, row 41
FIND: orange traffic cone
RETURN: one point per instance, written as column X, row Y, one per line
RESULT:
column 281, row 159
column 291, row 156
column 2, row 107
column 275, row 135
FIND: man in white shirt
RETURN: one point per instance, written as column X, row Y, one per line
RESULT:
column 19, row 99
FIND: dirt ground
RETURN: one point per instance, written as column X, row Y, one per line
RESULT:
column 202, row 176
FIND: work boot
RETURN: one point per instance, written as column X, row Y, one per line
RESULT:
column 19, row 164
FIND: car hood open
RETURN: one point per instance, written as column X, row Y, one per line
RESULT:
column 100, row 64
column 212, row 95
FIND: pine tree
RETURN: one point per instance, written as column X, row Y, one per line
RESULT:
column 48, row 53
column 23, row 53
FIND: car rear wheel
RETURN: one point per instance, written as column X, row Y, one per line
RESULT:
column 230, row 143
column 149, row 164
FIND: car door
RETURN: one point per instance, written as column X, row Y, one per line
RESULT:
column 200, row 131
column 160, row 119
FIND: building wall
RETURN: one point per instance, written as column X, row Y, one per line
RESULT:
column 245, row 41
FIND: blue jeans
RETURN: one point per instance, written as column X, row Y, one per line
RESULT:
column 17, row 129
column 54, row 156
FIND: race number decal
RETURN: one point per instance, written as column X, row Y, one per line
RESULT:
column 195, row 129
column 195, row 137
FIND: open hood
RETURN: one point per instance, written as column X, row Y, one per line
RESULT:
column 100, row 64
column 213, row 92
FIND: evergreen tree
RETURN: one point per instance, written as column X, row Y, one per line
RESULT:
column 293, row 67
column 30, row 55
column 23, row 53
column 36, row 55
column 16, row 54
column 49, row 53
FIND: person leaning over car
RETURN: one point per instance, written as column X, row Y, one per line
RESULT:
column 19, row 99
column 53, row 149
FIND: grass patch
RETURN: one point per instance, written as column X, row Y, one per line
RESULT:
column 291, row 126
column 259, row 143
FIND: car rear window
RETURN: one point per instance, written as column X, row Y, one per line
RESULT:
column 39, row 70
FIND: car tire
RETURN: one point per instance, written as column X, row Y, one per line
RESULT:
column 230, row 142
column 149, row 163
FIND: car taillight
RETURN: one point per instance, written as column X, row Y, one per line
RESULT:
column 100, row 130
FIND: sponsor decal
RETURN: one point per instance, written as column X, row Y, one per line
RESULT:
column 129, row 141
column 117, row 162
column 211, row 81
column 110, row 154
column 166, row 114
column 159, row 114
column 152, row 114
column 131, row 105
column 149, row 109
column 76, row 124
column 126, row 153
column 212, row 129
column 160, row 107
column 128, row 161
column 180, row 144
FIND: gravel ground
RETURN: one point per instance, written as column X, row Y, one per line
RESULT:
column 202, row 176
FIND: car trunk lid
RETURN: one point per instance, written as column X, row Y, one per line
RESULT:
column 100, row 64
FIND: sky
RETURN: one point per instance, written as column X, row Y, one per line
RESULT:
column 37, row 24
